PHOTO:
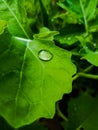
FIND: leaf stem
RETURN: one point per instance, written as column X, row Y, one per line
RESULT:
column 91, row 76
column 88, row 68
column 85, row 70
column 84, row 16
column 83, row 74
column 60, row 113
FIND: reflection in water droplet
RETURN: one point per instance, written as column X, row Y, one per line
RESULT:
column 69, row 38
column 45, row 55
column 95, row 44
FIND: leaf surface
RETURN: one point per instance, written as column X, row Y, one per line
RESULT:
column 84, row 9
column 45, row 34
column 83, row 113
column 14, row 13
column 30, row 84
column 3, row 25
column 91, row 57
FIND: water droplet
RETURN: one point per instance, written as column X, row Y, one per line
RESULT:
column 45, row 55
column 95, row 44
column 69, row 38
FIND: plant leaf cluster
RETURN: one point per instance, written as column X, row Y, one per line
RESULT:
column 42, row 44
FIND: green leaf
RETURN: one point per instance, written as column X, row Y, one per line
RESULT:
column 34, row 8
column 72, row 6
column 85, row 10
column 91, row 57
column 33, row 76
column 68, row 35
column 88, row 6
column 66, row 39
column 82, row 113
column 14, row 13
column 90, row 9
column 5, row 38
column 93, row 25
column 90, row 49
column 45, row 34
column 3, row 25
column 34, row 126
column 91, row 122
column 37, row 12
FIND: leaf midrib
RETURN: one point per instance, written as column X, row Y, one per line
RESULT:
column 21, row 75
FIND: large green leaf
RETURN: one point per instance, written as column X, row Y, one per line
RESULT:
column 33, row 76
column 34, row 126
column 14, row 13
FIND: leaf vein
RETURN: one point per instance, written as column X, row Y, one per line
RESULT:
column 13, row 14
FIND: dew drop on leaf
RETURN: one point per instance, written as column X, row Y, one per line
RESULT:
column 95, row 44
column 69, row 38
column 45, row 55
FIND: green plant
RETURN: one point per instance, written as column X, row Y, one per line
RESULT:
column 45, row 46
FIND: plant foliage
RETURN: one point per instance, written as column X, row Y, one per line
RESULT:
column 46, row 45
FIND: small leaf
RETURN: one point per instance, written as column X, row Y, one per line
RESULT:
column 88, row 51
column 90, row 9
column 68, row 35
column 91, row 57
column 45, row 34
column 93, row 25
column 66, row 39
column 84, row 9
